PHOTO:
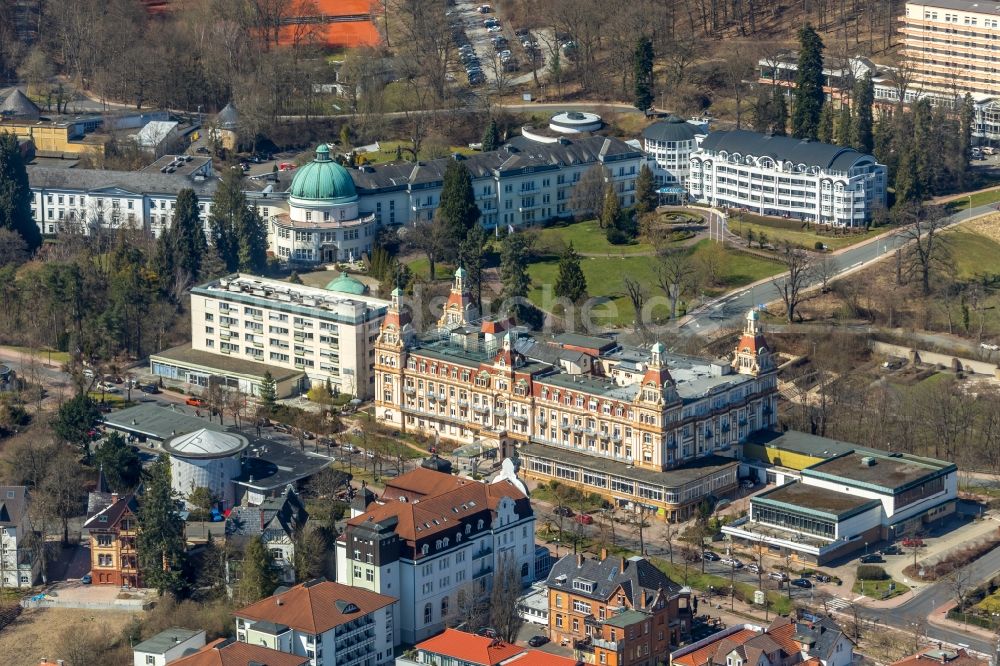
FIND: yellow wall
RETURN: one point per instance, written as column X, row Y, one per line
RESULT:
column 779, row 457
column 53, row 138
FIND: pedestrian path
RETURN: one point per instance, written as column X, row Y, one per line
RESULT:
column 836, row 603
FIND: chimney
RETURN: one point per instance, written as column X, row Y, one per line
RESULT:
column 579, row 559
column 622, row 564
column 642, row 599
column 114, row 497
column 604, row 554
column 278, row 601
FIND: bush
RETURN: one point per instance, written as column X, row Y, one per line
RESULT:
column 819, row 246
column 871, row 572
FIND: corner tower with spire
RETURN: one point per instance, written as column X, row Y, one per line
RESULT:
column 459, row 310
column 753, row 355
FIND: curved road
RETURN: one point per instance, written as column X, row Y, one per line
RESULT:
column 728, row 311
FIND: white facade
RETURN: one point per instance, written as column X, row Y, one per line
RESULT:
column 327, row 335
column 19, row 566
column 780, row 176
column 168, row 646
column 669, row 144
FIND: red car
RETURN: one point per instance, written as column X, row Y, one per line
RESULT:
column 913, row 542
column 584, row 519
column 195, row 402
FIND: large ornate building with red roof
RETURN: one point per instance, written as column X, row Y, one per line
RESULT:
column 436, row 541
column 643, row 427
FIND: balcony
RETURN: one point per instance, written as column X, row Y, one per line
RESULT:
column 482, row 552
column 409, row 390
column 485, row 571
column 519, row 417
column 500, row 413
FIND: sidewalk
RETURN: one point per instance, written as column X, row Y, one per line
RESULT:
column 939, row 617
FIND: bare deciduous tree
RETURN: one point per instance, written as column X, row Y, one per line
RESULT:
column 504, row 615
column 926, row 250
column 675, row 274
column 791, row 285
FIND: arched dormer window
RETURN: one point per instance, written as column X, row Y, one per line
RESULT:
column 425, row 549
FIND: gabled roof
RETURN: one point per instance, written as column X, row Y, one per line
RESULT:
column 228, row 652
column 155, row 131
column 469, row 648
column 632, row 575
column 109, row 516
column 286, row 512
column 166, row 639
column 704, row 654
column 13, row 504
column 139, row 182
column 936, row 655
column 782, row 148
column 316, row 606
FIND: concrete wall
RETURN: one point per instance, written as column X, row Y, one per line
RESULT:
column 968, row 364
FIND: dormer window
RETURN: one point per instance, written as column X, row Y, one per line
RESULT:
column 425, row 549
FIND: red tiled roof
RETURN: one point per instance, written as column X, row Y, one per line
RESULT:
column 313, row 608
column 703, row 655
column 227, row 652
column 471, row 648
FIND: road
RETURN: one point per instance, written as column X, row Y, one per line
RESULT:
column 728, row 311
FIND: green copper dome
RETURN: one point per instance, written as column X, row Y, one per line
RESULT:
column 345, row 284
column 323, row 180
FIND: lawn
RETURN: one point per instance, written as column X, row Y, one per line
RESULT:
column 879, row 589
column 605, row 281
column 793, row 231
column 587, row 238
column 421, row 268
column 979, row 199
column 387, row 152
column 974, row 254
column 43, row 354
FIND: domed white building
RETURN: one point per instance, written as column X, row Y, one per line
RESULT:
column 206, row 459
column 323, row 223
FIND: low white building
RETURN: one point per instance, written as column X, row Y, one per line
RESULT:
column 783, row 176
column 206, row 459
column 330, row 623
column 243, row 326
column 19, row 564
column 167, row 646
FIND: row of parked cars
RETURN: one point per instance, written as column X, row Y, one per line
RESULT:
column 755, row 568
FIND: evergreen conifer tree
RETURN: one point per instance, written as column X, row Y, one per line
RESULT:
column 160, row 543
column 779, row 112
column 258, row 578
column 491, row 137
column 642, row 64
column 809, row 95
column 844, row 123
column 15, row 193
column 825, row 131
column 268, row 392
column 645, row 191
column 471, row 255
column 513, row 271
column 457, row 210
column 571, row 283
column 863, row 129
column 612, row 208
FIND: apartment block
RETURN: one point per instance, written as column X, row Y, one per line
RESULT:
column 244, row 326
column 952, row 46
column 19, row 565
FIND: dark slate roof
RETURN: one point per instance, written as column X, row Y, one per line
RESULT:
column 18, row 105
column 518, row 153
column 437, row 464
column 113, row 511
column 136, row 182
column 606, row 576
column 547, row 353
column 285, row 513
column 228, row 118
column 671, row 129
column 782, row 148
column 819, row 632
column 13, row 503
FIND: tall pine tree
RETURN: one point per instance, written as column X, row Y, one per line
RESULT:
column 258, row 578
column 161, row 530
column 863, row 129
column 645, row 191
column 825, row 130
column 612, row 208
column 471, row 256
column 15, row 193
column 514, row 273
column 571, row 284
column 809, row 95
column 491, row 137
column 844, row 123
column 642, row 66
column 457, row 211
column 228, row 206
column 779, row 112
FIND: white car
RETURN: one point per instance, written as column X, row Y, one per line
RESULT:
column 495, row 28
column 107, row 388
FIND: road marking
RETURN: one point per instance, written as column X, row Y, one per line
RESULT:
column 837, row 603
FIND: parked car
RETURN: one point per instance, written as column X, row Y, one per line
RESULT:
column 753, row 567
column 892, row 550
column 494, row 28
column 281, row 427
column 874, row 558
column 107, row 388
column 286, row 166
column 731, row 562
column 804, row 583
column 202, row 150
column 538, row 641
column 822, row 578
column 564, row 511
column 485, row 9
column 913, row 542
column 87, row 580
column 780, row 576
column 195, row 402
column 584, row 519
column 152, row 389
column 709, row 556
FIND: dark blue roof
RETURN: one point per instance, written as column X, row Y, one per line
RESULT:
column 783, row 148
column 671, row 129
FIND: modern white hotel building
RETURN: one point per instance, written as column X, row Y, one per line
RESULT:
column 797, row 178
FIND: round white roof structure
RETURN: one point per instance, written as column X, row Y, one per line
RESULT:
column 205, row 444
column 574, row 122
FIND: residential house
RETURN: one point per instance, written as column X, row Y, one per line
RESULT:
column 329, row 623
column 19, row 565
column 809, row 640
column 277, row 521
column 617, row 611
column 458, row 648
column 113, row 528
column 433, row 539
column 229, row 652
column 938, row 656
column 168, row 646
